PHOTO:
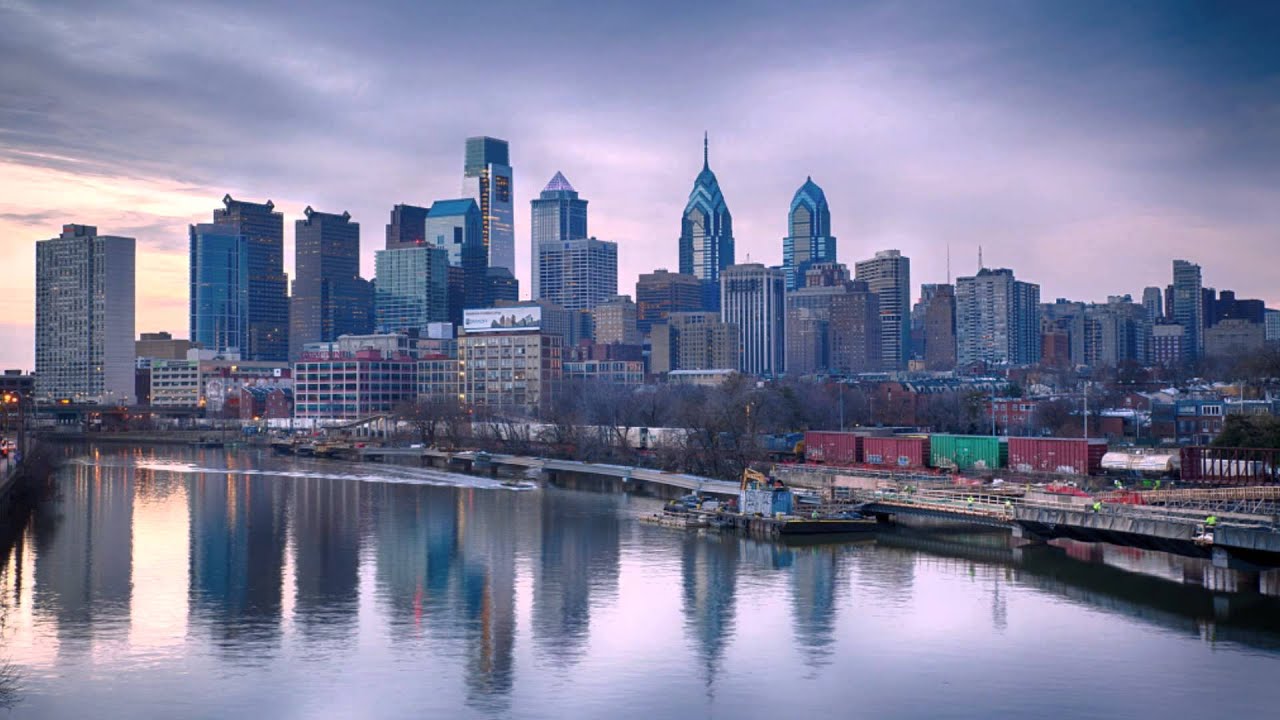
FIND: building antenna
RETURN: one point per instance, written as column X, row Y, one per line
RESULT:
column 948, row 262
column 705, row 153
column 980, row 265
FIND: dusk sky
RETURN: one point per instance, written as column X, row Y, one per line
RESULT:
column 1083, row 144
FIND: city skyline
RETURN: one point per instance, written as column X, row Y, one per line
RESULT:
column 1075, row 161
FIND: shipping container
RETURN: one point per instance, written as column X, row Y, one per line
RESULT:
column 968, row 452
column 833, row 448
column 1072, row 456
column 902, row 451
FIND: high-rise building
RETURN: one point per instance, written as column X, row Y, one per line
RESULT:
column 267, row 285
column 577, row 274
column 1229, row 307
column 706, row 234
column 809, row 238
column 219, row 289
column 694, row 341
column 940, row 329
column 486, row 176
column 1271, row 326
column 753, row 297
column 615, row 322
column 411, row 288
column 1167, row 341
column 1188, row 307
column 508, row 359
column 330, row 299
column 855, row 331
column 84, row 317
column 888, row 275
column 1153, row 303
column 557, row 214
column 1115, row 333
column 408, row 226
column 457, row 226
column 832, row 322
column 997, row 319
column 660, row 293
column 500, row 285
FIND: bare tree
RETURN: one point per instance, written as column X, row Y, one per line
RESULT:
column 431, row 416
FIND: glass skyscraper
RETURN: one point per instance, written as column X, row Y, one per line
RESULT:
column 266, row 286
column 706, row 233
column 219, row 288
column 558, row 214
column 457, row 226
column 809, row 237
column 411, row 290
column 407, row 226
column 1188, row 307
column 486, row 176
column 330, row 299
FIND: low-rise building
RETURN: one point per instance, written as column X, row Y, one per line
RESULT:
column 341, row 384
column 707, row 378
column 616, row 372
column 202, row 381
column 693, row 341
column 439, row 376
column 1234, row 338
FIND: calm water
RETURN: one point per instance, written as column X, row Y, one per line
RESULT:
column 195, row 583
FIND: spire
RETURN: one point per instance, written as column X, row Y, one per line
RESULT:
column 705, row 163
column 558, row 183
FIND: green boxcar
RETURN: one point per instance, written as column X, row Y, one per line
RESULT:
column 968, row 452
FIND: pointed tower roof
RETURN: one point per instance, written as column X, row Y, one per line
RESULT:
column 706, row 188
column 811, row 192
column 558, row 183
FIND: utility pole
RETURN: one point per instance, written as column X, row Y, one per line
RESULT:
column 841, row 391
column 1086, row 409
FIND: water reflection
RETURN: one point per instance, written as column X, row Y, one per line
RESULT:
column 439, row 596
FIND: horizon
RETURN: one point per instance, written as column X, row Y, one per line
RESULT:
column 1083, row 147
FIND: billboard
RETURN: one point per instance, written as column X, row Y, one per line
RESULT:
column 509, row 319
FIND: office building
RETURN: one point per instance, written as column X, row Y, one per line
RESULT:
column 1226, row 306
column 753, row 297
column 577, row 274
column 1115, row 333
column 694, row 341
column 330, row 299
column 486, row 177
column 411, row 289
column 660, row 293
column 1153, row 304
column 508, row 362
column 557, row 214
column 384, row 369
column 458, row 227
column 500, row 286
column 84, row 317
column 809, row 238
column 888, row 275
column 571, row 326
column 408, row 227
column 219, row 289
column 1188, row 307
column 1234, row 339
column 832, row 323
column 266, row 288
column 854, row 331
column 614, row 322
column 706, row 234
column 160, row 346
column 940, row 329
column 613, row 372
column 1271, row 326
column 439, row 377
column 997, row 319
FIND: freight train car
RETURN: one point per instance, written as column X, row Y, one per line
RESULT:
column 899, row 451
column 1230, row 466
column 826, row 447
column 967, row 452
column 1068, row 456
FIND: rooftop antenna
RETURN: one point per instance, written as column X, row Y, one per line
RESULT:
column 948, row 262
column 705, row 153
column 980, row 265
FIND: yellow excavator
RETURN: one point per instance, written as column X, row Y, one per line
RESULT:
column 753, row 476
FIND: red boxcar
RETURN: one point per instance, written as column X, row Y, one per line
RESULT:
column 901, row 451
column 1070, row 456
column 832, row 448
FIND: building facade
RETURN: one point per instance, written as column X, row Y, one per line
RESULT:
column 556, row 215
column 888, row 275
column 84, row 317
column 660, row 293
column 940, row 329
column 266, row 285
column 753, row 297
column 458, row 227
column 614, row 372
column 809, row 238
column 330, row 299
column 694, row 341
column 1188, row 307
column 487, row 178
column 202, row 380
column 338, row 384
column 411, row 289
column 615, row 322
column 1153, row 304
column 510, row 369
column 219, row 289
column 1167, row 344
column 706, row 234
column 1234, row 339
column 407, row 228
column 577, row 274
column 997, row 319
column 832, row 323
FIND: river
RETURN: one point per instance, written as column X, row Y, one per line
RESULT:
column 170, row 582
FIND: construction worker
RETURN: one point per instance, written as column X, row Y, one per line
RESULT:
column 1211, row 521
column 970, row 502
column 1097, row 506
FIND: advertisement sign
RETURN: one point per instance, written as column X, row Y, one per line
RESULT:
column 510, row 319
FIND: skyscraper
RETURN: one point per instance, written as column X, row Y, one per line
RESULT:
column 888, row 275
column 577, row 274
column 706, row 233
column 219, row 289
column 330, row 298
column 557, row 214
column 1153, row 303
column 753, row 297
column 1188, row 307
column 809, row 237
column 615, row 322
column 940, row 329
column 458, row 227
column 407, row 227
column 84, row 316
column 267, row 286
column 660, row 293
column 411, row 288
column 833, row 324
column 997, row 319
column 486, row 176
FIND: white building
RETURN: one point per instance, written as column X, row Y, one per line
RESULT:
column 997, row 319
column 85, row 317
column 753, row 297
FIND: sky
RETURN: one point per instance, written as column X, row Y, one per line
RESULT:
column 1083, row 144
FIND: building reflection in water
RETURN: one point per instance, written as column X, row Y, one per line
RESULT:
column 815, row 584
column 488, row 550
column 709, row 572
column 326, row 557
